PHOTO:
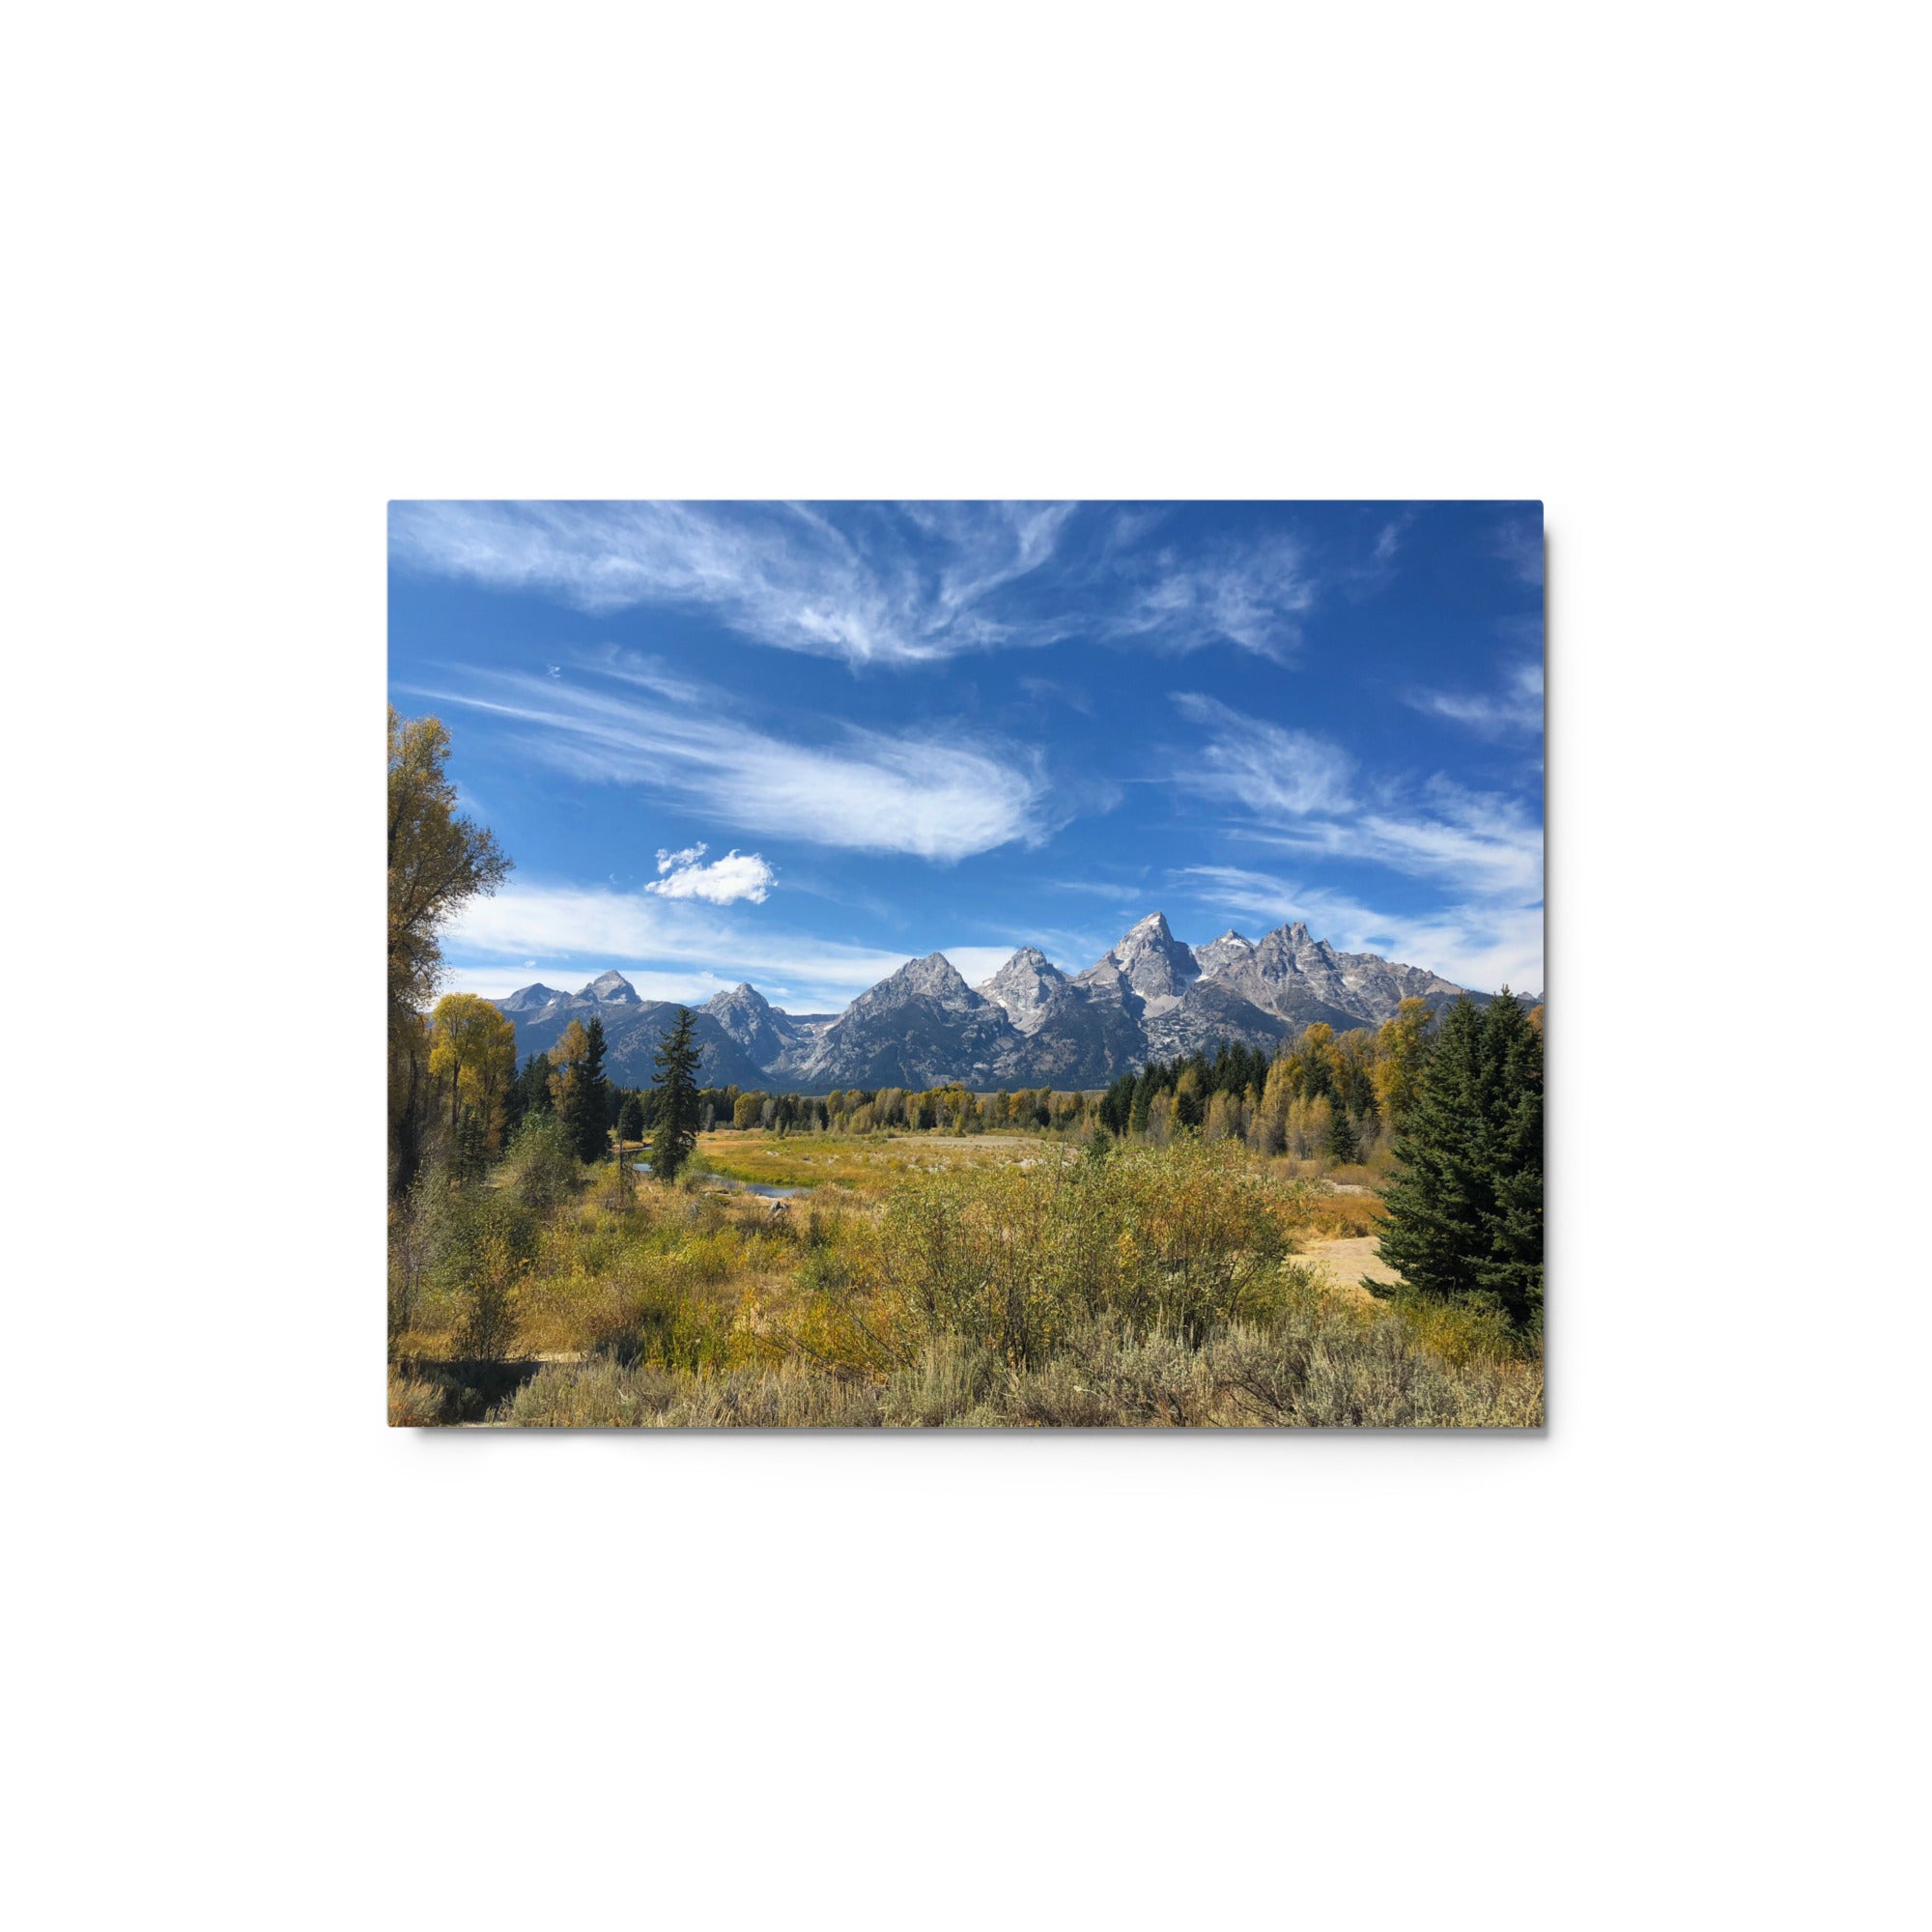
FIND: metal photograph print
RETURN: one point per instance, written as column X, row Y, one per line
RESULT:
column 991, row 965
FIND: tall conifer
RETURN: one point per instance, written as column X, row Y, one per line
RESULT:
column 674, row 1098
column 1465, row 1207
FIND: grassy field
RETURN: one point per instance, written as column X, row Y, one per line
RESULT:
column 990, row 1280
column 868, row 1165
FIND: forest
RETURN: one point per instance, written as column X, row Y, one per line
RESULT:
column 1347, row 1232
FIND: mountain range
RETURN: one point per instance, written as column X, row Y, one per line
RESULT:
column 1151, row 996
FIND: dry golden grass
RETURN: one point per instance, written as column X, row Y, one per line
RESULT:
column 865, row 1164
column 1190, row 1276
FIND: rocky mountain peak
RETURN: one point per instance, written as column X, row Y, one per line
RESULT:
column 1156, row 964
column 1218, row 955
column 610, row 989
column 1149, row 997
column 530, row 998
column 1027, row 987
column 752, row 1020
column 934, row 975
column 743, row 997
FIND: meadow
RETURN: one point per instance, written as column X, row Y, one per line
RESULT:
column 928, row 1279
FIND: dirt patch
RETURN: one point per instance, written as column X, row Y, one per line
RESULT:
column 1353, row 1260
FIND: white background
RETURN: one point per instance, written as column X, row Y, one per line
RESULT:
column 275, row 1666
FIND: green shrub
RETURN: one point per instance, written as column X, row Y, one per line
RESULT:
column 414, row 1404
column 1179, row 1239
column 541, row 1167
column 606, row 1395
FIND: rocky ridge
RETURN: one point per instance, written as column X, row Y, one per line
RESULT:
column 1150, row 996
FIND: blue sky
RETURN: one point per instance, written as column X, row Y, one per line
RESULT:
column 800, row 744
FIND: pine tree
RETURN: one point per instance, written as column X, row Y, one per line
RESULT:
column 631, row 1119
column 1466, row 1208
column 528, row 1095
column 590, row 1126
column 1340, row 1143
column 467, row 1150
column 1511, row 1269
column 1434, row 1234
column 1144, row 1093
column 675, row 1096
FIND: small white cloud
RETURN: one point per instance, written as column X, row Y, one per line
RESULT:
column 735, row 876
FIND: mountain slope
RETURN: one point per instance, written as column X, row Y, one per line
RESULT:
column 632, row 1031
column 920, row 1026
column 1151, row 996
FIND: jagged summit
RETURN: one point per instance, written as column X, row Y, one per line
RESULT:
column 610, row 989
column 1230, row 949
column 1150, row 996
column 531, row 999
column 1156, row 965
column 753, row 1021
column 934, row 975
column 920, row 1026
column 743, row 994
column 1028, row 987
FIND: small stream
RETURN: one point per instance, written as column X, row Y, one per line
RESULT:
column 735, row 1186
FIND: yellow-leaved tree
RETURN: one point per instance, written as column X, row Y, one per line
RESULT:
column 1401, row 1057
column 439, row 860
column 473, row 1049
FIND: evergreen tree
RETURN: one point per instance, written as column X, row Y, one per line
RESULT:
column 1144, row 1093
column 1465, row 1207
column 1512, row 1270
column 1341, row 1143
column 466, row 1149
column 631, row 1119
column 675, row 1097
column 1434, row 1234
column 528, row 1095
column 590, row 1126
column 571, row 1101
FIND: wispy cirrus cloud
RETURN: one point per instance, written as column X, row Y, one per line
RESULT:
column 878, row 585
column 1464, row 840
column 1519, row 542
column 1253, row 595
column 1300, row 792
column 1515, row 707
column 882, row 584
column 624, row 720
column 735, row 876
column 1262, row 767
